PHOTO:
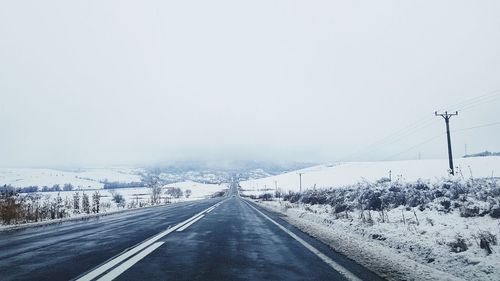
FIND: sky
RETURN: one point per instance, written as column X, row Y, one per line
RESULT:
column 142, row 82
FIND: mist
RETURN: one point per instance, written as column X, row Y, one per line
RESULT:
column 137, row 83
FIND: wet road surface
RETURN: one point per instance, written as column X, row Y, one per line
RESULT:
column 225, row 238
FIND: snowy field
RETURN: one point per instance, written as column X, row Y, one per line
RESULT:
column 89, row 178
column 422, row 225
column 341, row 174
column 62, row 203
column 143, row 194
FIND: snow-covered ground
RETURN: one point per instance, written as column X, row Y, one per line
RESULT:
column 341, row 174
column 199, row 190
column 143, row 194
column 402, row 251
column 88, row 178
column 132, row 198
column 422, row 225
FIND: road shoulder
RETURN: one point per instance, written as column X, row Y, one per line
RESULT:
column 385, row 262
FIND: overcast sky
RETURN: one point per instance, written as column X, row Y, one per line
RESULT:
column 141, row 82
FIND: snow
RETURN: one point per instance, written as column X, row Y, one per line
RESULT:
column 341, row 174
column 399, row 251
column 199, row 190
column 137, row 197
column 89, row 178
column 414, row 243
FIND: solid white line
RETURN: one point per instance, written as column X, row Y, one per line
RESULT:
column 129, row 263
column 337, row 267
column 190, row 223
column 122, row 257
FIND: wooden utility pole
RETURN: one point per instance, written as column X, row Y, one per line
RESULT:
column 447, row 117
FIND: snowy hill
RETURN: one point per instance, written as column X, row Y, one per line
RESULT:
column 339, row 174
column 91, row 178
column 199, row 190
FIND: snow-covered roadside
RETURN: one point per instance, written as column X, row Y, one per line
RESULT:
column 73, row 218
column 398, row 251
column 43, row 208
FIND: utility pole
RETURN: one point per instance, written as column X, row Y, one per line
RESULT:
column 446, row 116
column 300, row 182
column 276, row 193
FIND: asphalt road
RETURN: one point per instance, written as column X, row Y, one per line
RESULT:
column 215, row 239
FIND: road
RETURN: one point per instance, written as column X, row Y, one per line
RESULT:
column 224, row 238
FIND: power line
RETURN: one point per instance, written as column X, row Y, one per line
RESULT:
column 478, row 126
column 415, row 146
column 440, row 135
column 421, row 124
column 474, row 101
column 394, row 137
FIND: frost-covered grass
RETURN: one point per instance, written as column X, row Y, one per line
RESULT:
column 421, row 230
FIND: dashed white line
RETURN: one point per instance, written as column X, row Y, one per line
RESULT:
column 190, row 223
column 129, row 263
column 337, row 267
column 140, row 247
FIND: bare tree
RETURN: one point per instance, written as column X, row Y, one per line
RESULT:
column 96, row 198
column 175, row 192
column 76, row 202
column 85, row 203
column 155, row 191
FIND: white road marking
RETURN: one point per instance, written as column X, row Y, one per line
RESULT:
column 190, row 223
column 129, row 263
column 211, row 209
column 337, row 267
column 141, row 246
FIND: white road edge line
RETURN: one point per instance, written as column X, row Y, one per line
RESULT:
column 139, row 247
column 337, row 267
column 190, row 223
column 129, row 263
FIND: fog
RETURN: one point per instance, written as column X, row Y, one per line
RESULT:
column 144, row 82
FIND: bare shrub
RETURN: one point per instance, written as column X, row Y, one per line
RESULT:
column 266, row 196
column 118, row 198
column 10, row 207
column 486, row 239
column 458, row 245
column 495, row 212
